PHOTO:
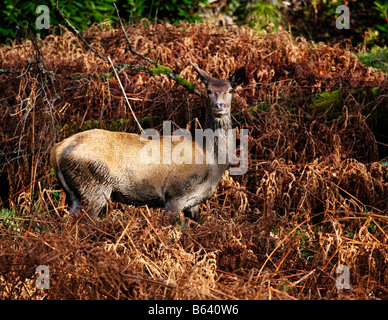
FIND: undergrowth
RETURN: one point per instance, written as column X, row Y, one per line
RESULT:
column 315, row 196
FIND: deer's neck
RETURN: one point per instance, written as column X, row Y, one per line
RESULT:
column 219, row 144
column 224, row 123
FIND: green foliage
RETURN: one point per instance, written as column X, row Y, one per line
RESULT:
column 171, row 10
column 376, row 58
column 16, row 15
column 382, row 8
column 91, row 124
column 315, row 19
column 257, row 14
column 9, row 220
column 83, row 14
column 382, row 26
column 13, row 15
column 264, row 15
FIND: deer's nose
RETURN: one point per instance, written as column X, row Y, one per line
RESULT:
column 220, row 106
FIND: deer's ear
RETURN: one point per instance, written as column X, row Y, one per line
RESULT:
column 238, row 77
column 205, row 78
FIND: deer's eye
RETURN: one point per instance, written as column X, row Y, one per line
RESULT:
column 231, row 90
column 209, row 91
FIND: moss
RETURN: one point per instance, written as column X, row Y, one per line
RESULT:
column 327, row 99
column 166, row 70
column 376, row 58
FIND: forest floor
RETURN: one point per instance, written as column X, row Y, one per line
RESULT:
column 308, row 218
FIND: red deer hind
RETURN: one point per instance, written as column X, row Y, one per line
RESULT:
column 97, row 165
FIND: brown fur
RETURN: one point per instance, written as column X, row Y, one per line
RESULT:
column 97, row 165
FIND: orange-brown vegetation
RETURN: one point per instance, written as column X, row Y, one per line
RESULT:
column 315, row 196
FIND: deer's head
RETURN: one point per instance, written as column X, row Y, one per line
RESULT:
column 220, row 90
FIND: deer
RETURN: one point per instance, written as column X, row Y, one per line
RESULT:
column 97, row 165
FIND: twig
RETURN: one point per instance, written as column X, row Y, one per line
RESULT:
column 304, row 277
column 125, row 95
